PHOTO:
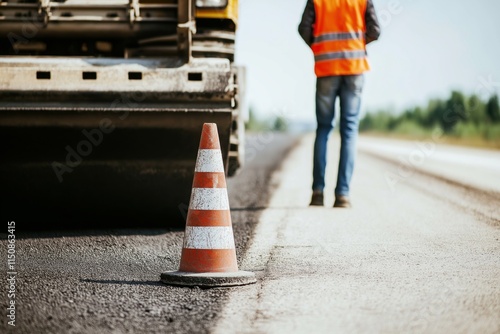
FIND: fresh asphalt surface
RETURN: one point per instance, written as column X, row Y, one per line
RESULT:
column 418, row 253
column 107, row 280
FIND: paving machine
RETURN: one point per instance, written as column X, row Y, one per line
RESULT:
column 102, row 103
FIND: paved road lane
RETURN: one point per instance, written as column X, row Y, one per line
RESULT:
column 478, row 168
column 107, row 280
column 415, row 258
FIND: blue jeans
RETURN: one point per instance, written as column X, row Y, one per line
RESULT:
column 348, row 89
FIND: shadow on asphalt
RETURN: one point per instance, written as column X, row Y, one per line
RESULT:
column 118, row 282
column 77, row 232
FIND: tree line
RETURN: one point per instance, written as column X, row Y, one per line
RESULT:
column 460, row 116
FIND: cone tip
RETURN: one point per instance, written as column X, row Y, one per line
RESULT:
column 209, row 137
column 210, row 126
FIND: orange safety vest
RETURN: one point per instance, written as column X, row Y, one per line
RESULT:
column 339, row 37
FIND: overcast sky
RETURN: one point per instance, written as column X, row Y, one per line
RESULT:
column 427, row 48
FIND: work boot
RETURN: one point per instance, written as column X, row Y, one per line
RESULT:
column 342, row 202
column 317, row 198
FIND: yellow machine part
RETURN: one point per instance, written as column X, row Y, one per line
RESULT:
column 230, row 12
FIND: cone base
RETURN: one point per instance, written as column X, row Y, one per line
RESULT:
column 208, row 280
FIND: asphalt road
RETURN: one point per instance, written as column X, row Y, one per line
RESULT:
column 418, row 253
column 470, row 167
column 107, row 280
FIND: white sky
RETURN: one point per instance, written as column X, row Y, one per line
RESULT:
column 427, row 48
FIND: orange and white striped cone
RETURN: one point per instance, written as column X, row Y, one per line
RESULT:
column 208, row 255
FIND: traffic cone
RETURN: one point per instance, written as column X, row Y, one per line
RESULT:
column 208, row 255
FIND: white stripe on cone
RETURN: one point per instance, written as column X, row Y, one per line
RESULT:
column 209, row 199
column 209, row 161
column 203, row 237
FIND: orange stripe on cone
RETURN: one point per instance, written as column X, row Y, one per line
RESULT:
column 209, row 180
column 208, row 260
column 209, row 218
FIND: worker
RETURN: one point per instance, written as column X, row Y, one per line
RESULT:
column 337, row 31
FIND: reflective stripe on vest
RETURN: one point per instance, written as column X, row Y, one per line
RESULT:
column 339, row 37
column 341, row 55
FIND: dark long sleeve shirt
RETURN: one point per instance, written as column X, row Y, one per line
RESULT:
column 309, row 18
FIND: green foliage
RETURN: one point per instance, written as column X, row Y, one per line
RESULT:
column 477, row 110
column 280, row 124
column 380, row 121
column 410, row 127
column 255, row 124
column 493, row 109
column 459, row 116
column 454, row 112
column 468, row 130
column 492, row 133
